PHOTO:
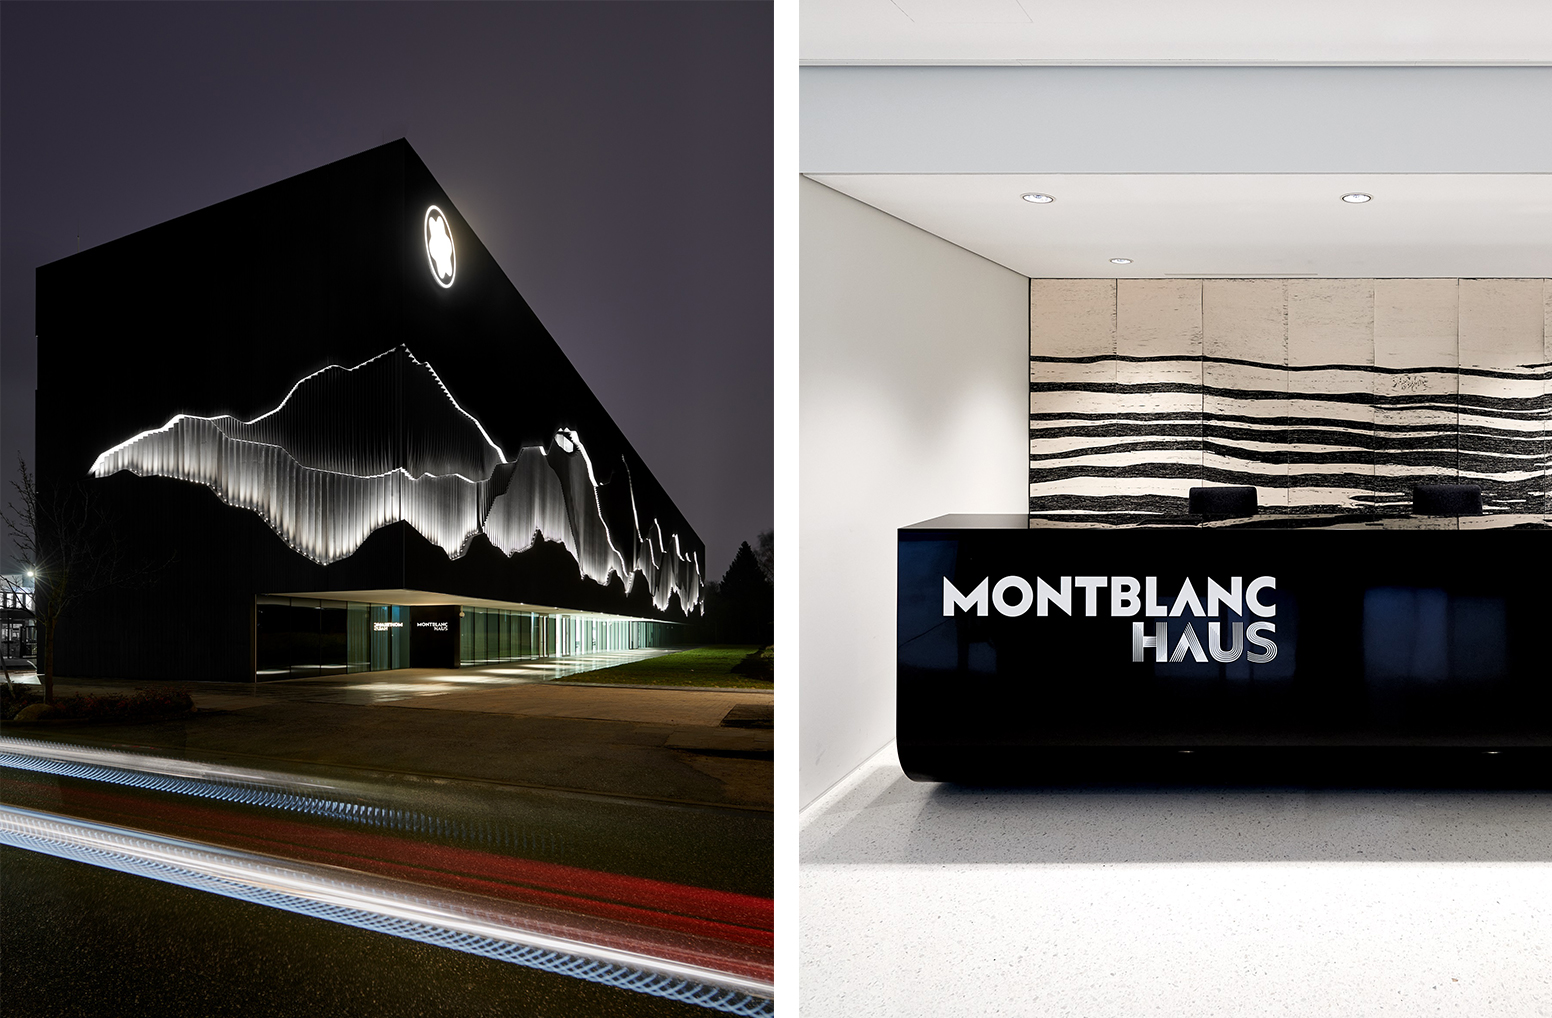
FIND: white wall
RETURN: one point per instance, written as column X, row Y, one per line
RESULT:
column 914, row 402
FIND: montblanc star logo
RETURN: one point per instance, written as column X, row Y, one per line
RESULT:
column 439, row 246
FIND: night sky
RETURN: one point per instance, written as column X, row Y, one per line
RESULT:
column 614, row 157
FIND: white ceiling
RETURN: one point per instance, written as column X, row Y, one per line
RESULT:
column 1181, row 31
column 1230, row 224
column 424, row 597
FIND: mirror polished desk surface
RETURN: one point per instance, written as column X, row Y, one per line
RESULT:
column 1382, row 652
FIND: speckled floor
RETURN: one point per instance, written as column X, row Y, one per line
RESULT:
column 922, row 899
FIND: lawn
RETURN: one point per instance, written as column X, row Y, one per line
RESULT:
column 699, row 666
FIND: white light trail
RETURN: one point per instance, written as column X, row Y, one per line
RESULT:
column 527, row 935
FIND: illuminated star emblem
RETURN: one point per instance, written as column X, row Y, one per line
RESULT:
column 439, row 246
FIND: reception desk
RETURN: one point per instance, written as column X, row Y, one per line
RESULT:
column 1340, row 651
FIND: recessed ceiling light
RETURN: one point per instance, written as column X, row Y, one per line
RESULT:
column 1038, row 199
column 1357, row 198
column 1120, row 261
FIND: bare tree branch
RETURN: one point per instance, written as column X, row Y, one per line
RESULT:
column 66, row 539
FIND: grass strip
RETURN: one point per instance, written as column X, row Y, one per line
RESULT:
column 698, row 666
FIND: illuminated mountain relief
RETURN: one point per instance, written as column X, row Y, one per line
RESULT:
column 350, row 450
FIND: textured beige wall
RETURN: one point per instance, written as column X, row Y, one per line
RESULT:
column 1326, row 394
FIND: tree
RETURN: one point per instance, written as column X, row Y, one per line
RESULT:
column 765, row 553
column 747, row 599
column 66, row 541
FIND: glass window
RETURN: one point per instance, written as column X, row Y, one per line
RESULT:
column 332, row 637
column 465, row 636
column 358, row 636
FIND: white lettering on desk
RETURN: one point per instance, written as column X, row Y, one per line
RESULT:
column 1013, row 596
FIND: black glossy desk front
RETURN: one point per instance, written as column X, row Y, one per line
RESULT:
column 1223, row 654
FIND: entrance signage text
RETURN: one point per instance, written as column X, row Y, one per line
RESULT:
column 1127, row 596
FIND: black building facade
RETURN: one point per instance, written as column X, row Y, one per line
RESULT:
column 337, row 439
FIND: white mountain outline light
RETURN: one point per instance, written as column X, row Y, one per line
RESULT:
column 326, row 499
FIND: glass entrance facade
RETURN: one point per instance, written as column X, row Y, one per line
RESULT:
column 308, row 636
column 493, row 635
column 496, row 635
column 301, row 637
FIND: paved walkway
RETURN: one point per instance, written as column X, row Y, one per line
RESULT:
column 412, row 683
column 524, row 688
column 601, row 703
column 510, row 723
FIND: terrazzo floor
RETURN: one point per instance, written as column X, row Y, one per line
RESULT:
column 921, row 899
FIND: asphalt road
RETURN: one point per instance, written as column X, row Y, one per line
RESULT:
column 81, row 940
column 655, row 799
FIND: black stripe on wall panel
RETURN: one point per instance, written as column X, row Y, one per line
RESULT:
column 1496, row 490
column 1118, row 414
column 1535, row 371
column 1098, row 427
column 1405, row 401
column 1047, row 427
column 1115, row 388
column 1284, row 421
column 1079, row 435
column 1064, row 442
column 1293, row 433
column 1117, row 450
column 1132, row 509
column 1490, row 474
